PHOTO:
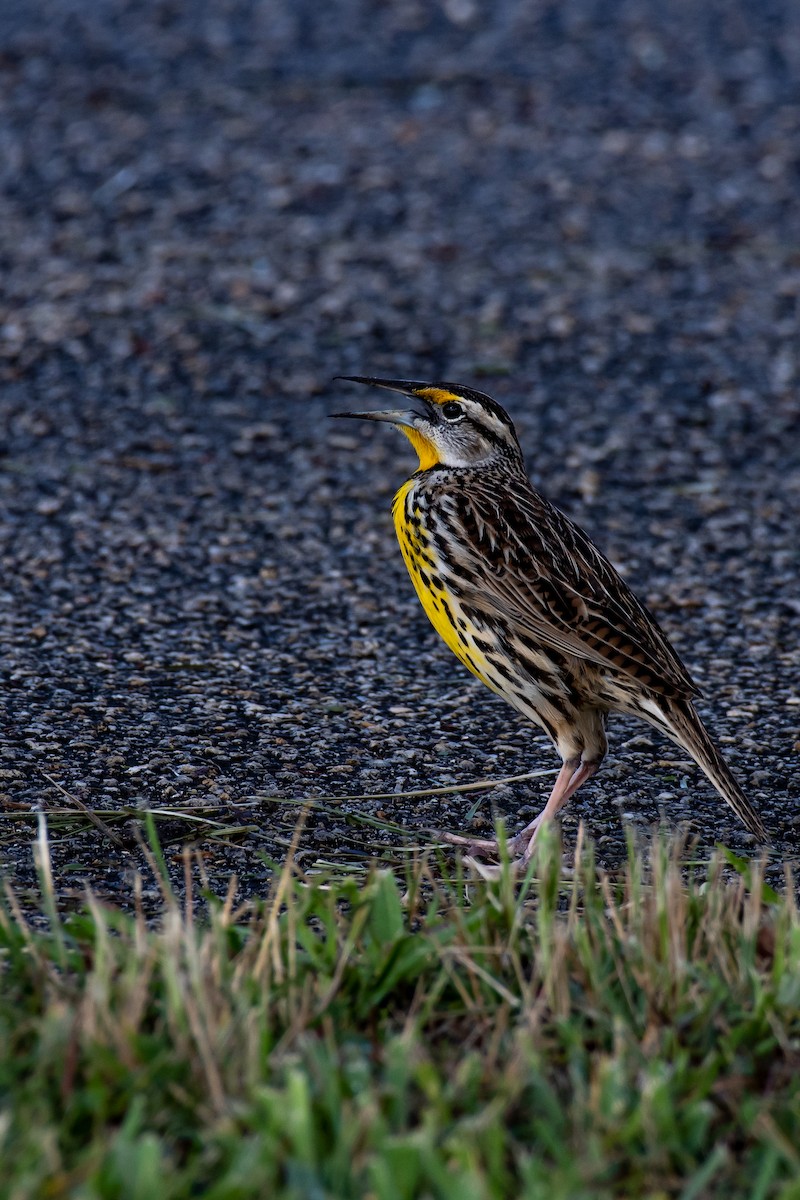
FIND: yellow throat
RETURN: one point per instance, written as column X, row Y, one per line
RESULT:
column 426, row 451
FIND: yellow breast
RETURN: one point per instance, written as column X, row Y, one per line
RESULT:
column 429, row 578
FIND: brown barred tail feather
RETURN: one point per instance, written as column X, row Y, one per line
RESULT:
column 681, row 722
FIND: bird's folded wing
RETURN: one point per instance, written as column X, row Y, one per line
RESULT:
column 550, row 582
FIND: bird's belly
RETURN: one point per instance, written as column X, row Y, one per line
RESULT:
column 443, row 608
column 448, row 619
column 536, row 693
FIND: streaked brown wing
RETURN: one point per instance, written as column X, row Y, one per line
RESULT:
column 528, row 561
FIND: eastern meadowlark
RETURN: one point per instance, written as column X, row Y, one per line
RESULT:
column 527, row 602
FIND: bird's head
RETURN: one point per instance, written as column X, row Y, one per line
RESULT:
column 447, row 424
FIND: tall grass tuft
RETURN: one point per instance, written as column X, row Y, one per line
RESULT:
column 575, row 1035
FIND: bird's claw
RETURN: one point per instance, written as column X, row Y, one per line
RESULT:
column 493, row 871
column 472, row 845
column 520, row 849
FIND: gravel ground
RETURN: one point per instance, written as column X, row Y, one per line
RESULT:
column 591, row 211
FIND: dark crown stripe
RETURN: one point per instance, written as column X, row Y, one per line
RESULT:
column 486, row 402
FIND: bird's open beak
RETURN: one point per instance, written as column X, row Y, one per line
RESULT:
column 398, row 416
column 412, row 421
column 395, row 416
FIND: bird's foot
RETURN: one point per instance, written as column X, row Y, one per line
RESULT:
column 491, row 871
column 521, row 847
column 489, row 846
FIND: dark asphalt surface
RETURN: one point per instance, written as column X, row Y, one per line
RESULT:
column 590, row 210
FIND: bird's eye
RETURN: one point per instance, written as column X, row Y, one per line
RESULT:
column 452, row 411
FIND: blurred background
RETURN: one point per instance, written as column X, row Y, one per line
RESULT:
column 208, row 210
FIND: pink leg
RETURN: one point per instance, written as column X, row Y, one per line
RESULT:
column 572, row 774
column 570, row 778
column 557, row 797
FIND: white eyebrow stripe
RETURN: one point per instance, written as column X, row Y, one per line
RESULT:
column 486, row 418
